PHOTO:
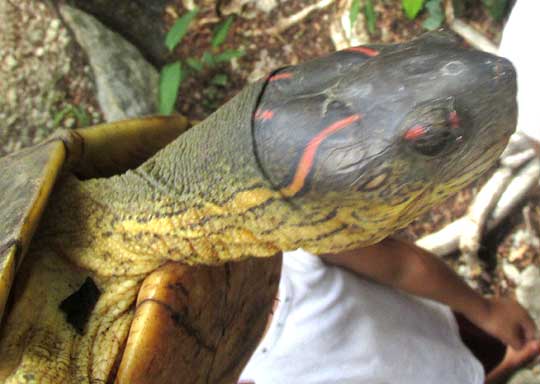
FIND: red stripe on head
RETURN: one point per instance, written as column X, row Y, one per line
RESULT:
column 364, row 50
column 453, row 119
column 414, row 132
column 265, row 114
column 308, row 157
column 280, row 76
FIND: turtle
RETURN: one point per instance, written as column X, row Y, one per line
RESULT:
column 142, row 251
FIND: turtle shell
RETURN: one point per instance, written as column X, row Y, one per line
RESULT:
column 30, row 175
column 197, row 320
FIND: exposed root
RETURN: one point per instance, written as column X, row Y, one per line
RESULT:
column 471, row 35
column 238, row 7
column 516, row 155
column 529, row 229
column 473, row 223
column 488, row 213
column 342, row 33
column 285, row 23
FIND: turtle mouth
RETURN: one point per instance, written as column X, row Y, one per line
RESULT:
column 504, row 71
column 488, row 156
column 477, row 166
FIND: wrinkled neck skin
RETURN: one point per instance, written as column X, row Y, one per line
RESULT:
column 203, row 199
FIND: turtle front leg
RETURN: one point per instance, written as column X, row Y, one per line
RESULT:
column 47, row 341
column 199, row 324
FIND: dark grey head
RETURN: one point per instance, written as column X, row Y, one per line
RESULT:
column 388, row 130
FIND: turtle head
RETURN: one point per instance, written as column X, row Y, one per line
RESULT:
column 385, row 132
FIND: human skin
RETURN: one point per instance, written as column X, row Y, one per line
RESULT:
column 413, row 270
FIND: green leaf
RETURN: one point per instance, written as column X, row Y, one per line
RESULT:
column 496, row 8
column 194, row 63
column 371, row 16
column 412, row 7
column 169, row 81
column 83, row 120
column 228, row 55
column 82, row 117
column 208, row 59
column 179, row 29
column 353, row 12
column 435, row 15
column 220, row 34
column 60, row 115
column 220, row 79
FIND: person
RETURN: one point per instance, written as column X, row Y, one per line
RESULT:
column 388, row 313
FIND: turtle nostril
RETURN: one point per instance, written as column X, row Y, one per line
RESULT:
column 453, row 68
column 504, row 69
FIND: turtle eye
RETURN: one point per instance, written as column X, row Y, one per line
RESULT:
column 434, row 127
column 427, row 140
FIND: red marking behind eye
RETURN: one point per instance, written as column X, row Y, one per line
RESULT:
column 265, row 114
column 280, row 76
column 364, row 50
column 414, row 132
column 308, row 157
column 454, row 120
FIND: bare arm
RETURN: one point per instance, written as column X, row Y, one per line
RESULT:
column 406, row 267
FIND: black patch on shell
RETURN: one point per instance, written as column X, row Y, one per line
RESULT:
column 79, row 305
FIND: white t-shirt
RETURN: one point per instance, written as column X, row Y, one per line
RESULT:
column 332, row 327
